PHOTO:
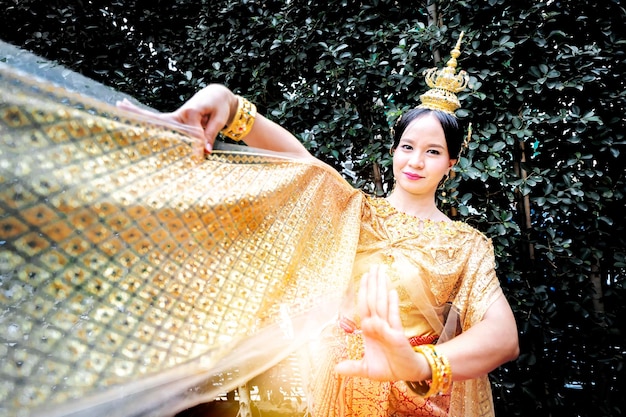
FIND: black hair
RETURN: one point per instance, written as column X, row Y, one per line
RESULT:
column 451, row 128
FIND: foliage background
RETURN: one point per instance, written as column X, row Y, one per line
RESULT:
column 544, row 175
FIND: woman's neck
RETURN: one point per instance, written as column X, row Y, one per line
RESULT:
column 423, row 207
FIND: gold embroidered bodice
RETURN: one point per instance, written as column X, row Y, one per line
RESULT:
column 430, row 263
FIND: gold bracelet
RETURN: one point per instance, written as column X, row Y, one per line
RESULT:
column 242, row 122
column 441, row 373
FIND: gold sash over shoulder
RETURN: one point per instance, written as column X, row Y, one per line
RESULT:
column 137, row 277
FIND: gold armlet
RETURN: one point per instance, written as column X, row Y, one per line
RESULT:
column 242, row 122
column 441, row 373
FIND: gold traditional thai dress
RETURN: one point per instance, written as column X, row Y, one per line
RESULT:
column 139, row 279
column 445, row 277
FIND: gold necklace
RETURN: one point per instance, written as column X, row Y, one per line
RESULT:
column 427, row 217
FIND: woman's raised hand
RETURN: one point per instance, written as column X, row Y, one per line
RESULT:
column 388, row 355
column 202, row 116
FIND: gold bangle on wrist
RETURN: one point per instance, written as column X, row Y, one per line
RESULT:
column 243, row 121
column 441, row 373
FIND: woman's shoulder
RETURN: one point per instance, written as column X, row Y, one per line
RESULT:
column 378, row 207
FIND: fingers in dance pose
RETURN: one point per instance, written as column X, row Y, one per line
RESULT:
column 388, row 354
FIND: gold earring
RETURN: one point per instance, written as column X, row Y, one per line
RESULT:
column 442, row 187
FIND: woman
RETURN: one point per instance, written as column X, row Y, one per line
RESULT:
column 445, row 319
column 444, row 291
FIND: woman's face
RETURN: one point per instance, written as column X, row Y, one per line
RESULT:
column 421, row 159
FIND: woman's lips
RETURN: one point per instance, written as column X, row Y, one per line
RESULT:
column 412, row 176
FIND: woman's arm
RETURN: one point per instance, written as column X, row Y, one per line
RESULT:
column 389, row 356
column 486, row 345
column 211, row 109
column 268, row 135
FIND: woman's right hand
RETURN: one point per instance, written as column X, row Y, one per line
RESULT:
column 388, row 356
column 202, row 116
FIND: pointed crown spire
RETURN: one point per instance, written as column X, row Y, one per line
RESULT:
column 444, row 84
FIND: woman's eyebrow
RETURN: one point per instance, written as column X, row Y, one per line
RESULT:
column 436, row 145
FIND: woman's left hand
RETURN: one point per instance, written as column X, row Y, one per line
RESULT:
column 202, row 116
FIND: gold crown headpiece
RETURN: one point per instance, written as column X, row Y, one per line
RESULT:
column 444, row 84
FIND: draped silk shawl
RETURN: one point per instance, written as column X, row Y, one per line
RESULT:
column 136, row 278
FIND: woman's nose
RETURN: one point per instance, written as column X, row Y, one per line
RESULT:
column 416, row 160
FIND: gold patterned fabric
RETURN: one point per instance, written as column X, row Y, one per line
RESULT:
column 444, row 273
column 137, row 279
